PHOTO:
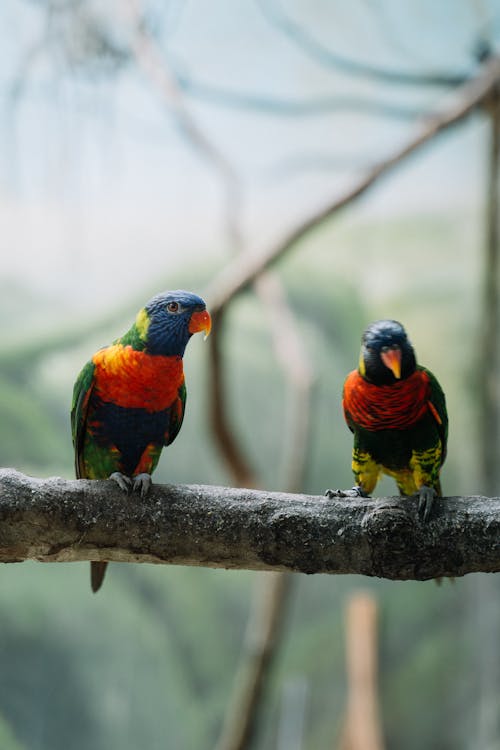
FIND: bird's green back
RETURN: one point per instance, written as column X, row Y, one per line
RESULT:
column 81, row 394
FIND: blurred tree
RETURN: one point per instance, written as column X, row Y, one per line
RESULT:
column 362, row 728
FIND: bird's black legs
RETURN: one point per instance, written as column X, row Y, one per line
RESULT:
column 426, row 496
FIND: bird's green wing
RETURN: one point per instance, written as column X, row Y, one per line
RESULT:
column 81, row 394
column 176, row 415
column 438, row 409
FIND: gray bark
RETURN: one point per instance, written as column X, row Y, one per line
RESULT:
column 56, row 520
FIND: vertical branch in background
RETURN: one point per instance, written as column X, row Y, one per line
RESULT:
column 362, row 727
column 149, row 58
column 489, row 359
column 297, row 373
column 267, row 619
column 264, row 631
column 294, row 362
column 236, row 461
column 485, row 594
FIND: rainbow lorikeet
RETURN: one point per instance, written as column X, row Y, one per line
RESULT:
column 397, row 412
column 129, row 399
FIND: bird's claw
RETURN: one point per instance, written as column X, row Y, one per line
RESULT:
column 123, row 482
column 356, row 491
column 142, row 484
column 425, row 496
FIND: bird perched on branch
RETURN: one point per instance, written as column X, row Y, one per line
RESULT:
column 397, row 412
column 129, row 399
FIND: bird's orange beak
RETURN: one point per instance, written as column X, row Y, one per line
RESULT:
column 392, row 360
column 200, row 321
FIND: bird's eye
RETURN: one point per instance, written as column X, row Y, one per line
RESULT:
column 173, row 307
column 385, row 349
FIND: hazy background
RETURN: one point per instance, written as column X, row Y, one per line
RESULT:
column 104, row 201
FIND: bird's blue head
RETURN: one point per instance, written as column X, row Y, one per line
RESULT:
column 386, row 353
column 169, row 319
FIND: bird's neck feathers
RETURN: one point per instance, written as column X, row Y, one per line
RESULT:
column 136, row 336
column 152, row 337
column 393, row 406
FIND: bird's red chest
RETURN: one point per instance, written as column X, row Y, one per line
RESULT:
column 132, row 379
column 386, row 407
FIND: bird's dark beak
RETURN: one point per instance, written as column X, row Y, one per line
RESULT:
column 392, row 359
column 200, row 321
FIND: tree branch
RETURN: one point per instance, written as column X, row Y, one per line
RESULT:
column 228, row 444
column 149, row 58
column 263, row 635
column 56, row 520
column 244, row 270
column 312, row 48
column 292, row 357
column 488, row 386
column 294, row 107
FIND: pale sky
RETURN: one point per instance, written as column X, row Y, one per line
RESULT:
column 96, row 180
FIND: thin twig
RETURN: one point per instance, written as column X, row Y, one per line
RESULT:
column 293, row 107
column 243, row 474
column 489, row 388
column 150, row 59
column 303, row 40
column 264, row 630
column 294, row 361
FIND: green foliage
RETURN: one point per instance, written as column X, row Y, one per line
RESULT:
column 7, row 739
column 29, row 430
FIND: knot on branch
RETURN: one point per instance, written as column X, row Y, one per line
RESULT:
column 391, row 528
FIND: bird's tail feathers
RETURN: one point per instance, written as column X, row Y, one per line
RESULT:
column 97, row 573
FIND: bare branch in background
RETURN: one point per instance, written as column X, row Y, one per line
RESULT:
column 244, row 270
column 150, row 59
column 271, row 594
column 489, row 386
column 35, row 51
column 81, row 40
column 362, row 728
column 486, row 617
column 314, row 161
column 280, row 107
column 264, row 631
column 273, row 11
column 74, row 37
column 243, row 474
column 294, row 362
